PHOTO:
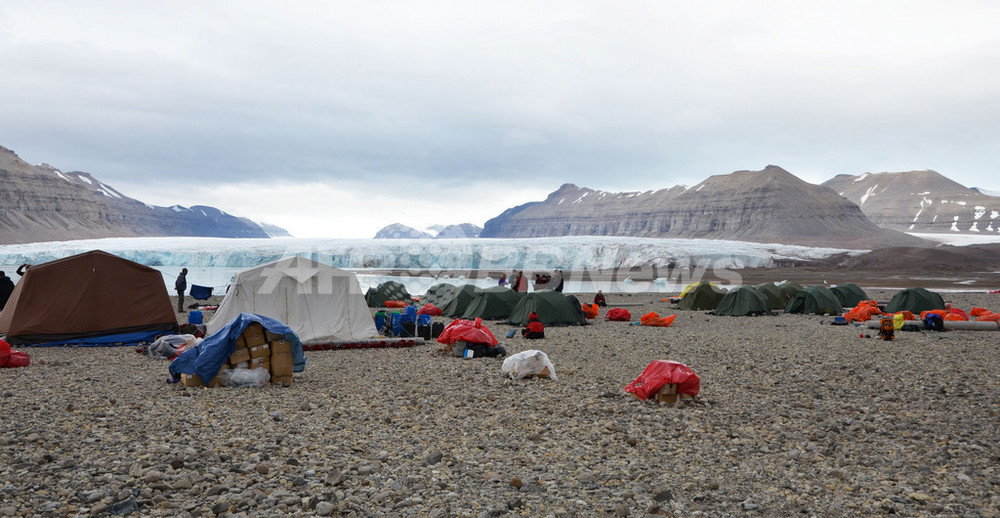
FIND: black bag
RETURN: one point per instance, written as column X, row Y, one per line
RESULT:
column 436, row 329
column 424, row 332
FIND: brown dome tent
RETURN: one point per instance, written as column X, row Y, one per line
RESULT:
column 93, row 298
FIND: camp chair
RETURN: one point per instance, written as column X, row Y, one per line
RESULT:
column 200, row 292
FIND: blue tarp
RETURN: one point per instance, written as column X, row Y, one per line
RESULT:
column 211, row 354
column 200, row 292
column 115, row 340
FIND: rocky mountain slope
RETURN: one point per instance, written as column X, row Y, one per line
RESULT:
column 42, row 203
column 771, row 205
column 920, row 201
column 401, row 231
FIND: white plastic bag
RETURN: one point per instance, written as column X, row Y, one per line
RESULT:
column 529, row 363
column 258, row 377
column 168, row 346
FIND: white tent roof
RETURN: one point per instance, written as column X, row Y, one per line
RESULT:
column 319, row 302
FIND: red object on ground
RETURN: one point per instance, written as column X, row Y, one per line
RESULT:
column 429, row 309
column 468, row 330
column 619, row 314
column 661, row 372
column 654, row 319
column 590, row 310
column 395, row 304
column 12, row 359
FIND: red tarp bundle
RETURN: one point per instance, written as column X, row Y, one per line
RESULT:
column 429, row 309
column 654, row 319
column 468, row 330
column 10, row 358
column 662, row 372
column 620, row 314
column 590, row 310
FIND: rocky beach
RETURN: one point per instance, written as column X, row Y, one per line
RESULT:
column 795, row 417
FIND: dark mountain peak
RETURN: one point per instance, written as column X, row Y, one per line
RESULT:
column 770, row 205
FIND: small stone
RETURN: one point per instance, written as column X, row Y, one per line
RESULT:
column 220, row 507
column 663, row 496
column 177, row 464
column 183, row 483
column 920, row 497
column 276, row 416
column 305, row 407
column 324, row 509
column 434, row 457
column 514, row 503
column 263, row 469
column 621, row 510
column 515, row 482
column 335, row 479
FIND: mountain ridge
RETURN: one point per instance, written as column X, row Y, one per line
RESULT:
column 42, row 203
column 770, row 205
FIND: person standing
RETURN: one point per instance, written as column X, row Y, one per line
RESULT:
column 6, row 288
column 181, row 286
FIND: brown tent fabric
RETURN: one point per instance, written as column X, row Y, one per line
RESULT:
column 85, row 295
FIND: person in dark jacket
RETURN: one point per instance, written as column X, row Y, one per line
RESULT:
column 181, row 286
column 535, row 329
column 6, row 288
column 600, row 300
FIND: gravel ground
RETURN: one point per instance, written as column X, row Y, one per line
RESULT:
column 795, row 417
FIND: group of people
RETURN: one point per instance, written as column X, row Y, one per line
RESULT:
column 518, row 282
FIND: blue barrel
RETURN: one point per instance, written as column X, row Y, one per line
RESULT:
column 380, row 321
column 194, row 317
column 423, row 320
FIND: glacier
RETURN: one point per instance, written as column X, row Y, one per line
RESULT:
column 213, row 261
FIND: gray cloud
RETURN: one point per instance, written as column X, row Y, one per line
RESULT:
column 605, row 96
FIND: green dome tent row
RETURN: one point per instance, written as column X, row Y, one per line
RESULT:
column 552, row 307
column 775, row 296
column 439, row 294
column 494, row 303
column 743, row 301
column 460, row 301
column 388, row 290
column 915, row 300
column 849, row 294
column 704, row 296
column 814, row 300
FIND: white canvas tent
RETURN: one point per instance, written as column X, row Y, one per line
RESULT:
column 319, row 302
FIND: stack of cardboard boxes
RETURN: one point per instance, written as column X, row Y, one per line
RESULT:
column 255, row 348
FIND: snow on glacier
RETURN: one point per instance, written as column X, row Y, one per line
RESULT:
column 219, row 258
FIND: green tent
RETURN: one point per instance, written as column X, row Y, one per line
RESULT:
column 552, row 307
column 775, row 296
column 493, row 303
column 704, row 296
column 849, row 294
column 789, row 288
column 743, row 301
column 814, row 300
column 915, row 300
column 388, row 290
column 439, row 294
column 463, row 296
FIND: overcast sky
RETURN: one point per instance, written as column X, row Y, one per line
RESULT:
column 334, row 119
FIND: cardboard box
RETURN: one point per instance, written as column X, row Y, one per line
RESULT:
column 281, row 361
column 241, row 343
column 194, row 380
column 280, row 346
column 667, row 394
column 273, row 337
column 260, row 351
column 256, row 363
column 254, row 335
column 241, row 354
column 282, row 380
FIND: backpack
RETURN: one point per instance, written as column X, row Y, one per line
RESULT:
column 934, row 322
column 887, row 329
